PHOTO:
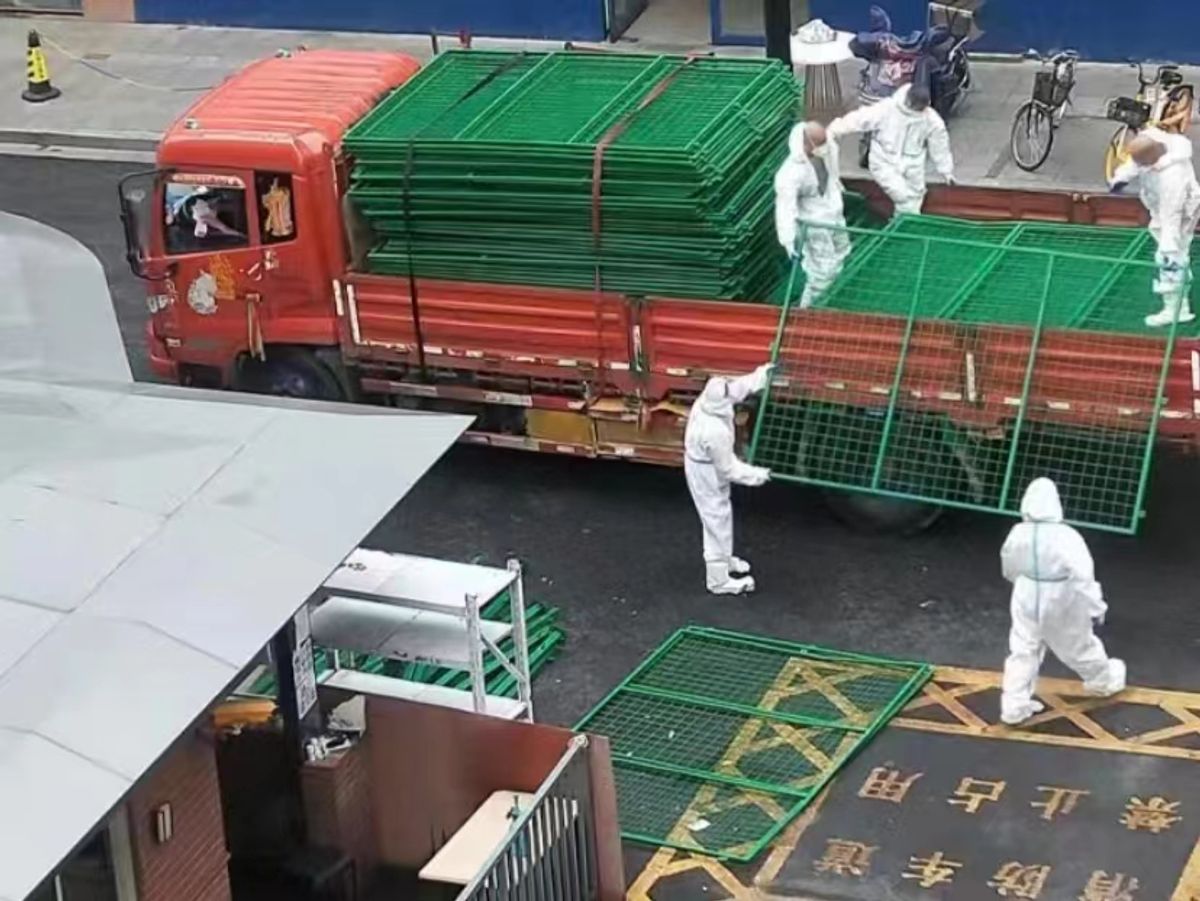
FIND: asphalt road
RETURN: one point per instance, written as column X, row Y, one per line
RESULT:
column 617, row 546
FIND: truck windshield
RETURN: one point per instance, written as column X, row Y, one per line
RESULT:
column 200, row 217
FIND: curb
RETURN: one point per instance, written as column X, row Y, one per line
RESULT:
column 136, row 141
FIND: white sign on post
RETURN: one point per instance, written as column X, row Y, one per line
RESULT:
column 305, row 673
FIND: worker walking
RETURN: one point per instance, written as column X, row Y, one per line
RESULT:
column 711, row 466
column 808, row 198
column 905, row 131
column 1162, row 163
column 1055, row 602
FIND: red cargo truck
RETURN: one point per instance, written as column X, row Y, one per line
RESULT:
column 269, row 297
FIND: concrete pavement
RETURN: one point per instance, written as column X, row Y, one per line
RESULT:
column 124, row 84
column 979, row 134
column 151, row 74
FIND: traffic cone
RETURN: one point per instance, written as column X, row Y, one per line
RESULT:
column 39, row 89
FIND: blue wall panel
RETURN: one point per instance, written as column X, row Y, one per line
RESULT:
column 1098, row 29
column 558, row 19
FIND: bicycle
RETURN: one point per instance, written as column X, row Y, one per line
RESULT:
column 1163, row 102
column 1037, row 119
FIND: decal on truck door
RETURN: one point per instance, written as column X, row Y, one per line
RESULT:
column 208, row 288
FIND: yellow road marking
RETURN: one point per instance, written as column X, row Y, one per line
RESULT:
column 1064, row 699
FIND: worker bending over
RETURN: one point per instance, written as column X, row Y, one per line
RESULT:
column 1055, row 601
column 808, row 196
column 905, row 130
column 1162, row 163
column 711, row 466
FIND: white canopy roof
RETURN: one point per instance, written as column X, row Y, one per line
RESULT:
column 152, row 540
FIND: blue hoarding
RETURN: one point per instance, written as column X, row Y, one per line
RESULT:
column 555, row 19
column 1098, row 29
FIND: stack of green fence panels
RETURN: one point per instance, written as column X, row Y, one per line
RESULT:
column 641, row 174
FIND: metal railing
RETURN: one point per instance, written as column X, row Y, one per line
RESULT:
column 550, row 851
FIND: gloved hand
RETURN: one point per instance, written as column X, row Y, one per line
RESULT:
column 951, row 180
column 1098, row 621
column 765, row 372
column 761, row 476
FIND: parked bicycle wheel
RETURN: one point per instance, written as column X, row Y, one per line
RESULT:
column 1116, row 154
column 1032, row 135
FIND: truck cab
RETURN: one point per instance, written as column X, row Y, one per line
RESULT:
column 238, row 231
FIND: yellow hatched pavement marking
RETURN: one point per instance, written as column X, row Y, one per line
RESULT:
column 1064, row 701
column 668, row 862
column 947, row 689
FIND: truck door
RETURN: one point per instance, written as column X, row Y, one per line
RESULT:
column 213, row 258
column 294, row 279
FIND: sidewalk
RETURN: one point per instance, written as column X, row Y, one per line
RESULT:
column 163, row 64
column 979, row 133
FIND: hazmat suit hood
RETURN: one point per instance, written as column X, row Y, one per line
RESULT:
column 901, row 96
column 796, row 152
column 717, row 399
column 1041, row 502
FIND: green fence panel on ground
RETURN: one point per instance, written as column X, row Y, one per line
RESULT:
column 719, row 739
column 953, row 362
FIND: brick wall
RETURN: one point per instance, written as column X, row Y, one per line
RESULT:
column 192, row 866
column 108, row 10
column 337, row 808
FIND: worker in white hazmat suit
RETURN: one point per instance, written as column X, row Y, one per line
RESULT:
column 711, row 466
column 1162, row 164
column 808, row 195
column 905, row 131
column 1056, row 600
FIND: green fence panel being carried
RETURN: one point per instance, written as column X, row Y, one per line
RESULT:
column 953, row 362
column 635, row 173
column 719, row 740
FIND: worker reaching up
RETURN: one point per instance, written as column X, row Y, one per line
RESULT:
column 1162, row 163
column 711, row 466
column 1055, row 601
column 905, row 131
column 808, row 197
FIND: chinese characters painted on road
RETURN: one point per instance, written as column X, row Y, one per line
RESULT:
column 936, row 869
column 883, row 784
column 845, row 858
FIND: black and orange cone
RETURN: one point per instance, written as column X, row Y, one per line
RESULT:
column 39, row 89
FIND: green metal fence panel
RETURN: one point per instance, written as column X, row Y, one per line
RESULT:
column 953, row 362
column 636, row 173
column 719, row 739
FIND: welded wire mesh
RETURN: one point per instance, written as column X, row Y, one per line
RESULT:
column 645, row 174
column 720, row 739
column 953, row 362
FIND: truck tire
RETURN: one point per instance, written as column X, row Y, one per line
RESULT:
column 878, row 515
column 832, row 456
column 290, row 372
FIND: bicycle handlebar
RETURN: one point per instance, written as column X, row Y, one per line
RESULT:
column 1158, row 73
column 1053, row 56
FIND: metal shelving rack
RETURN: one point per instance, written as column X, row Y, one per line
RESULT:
column 419, row 609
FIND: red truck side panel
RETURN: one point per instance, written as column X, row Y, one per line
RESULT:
column 975, row 374
column 481, row 324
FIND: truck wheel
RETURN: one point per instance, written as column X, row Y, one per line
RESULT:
column 839, row 446
column 289, row 372
column 877, row 515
